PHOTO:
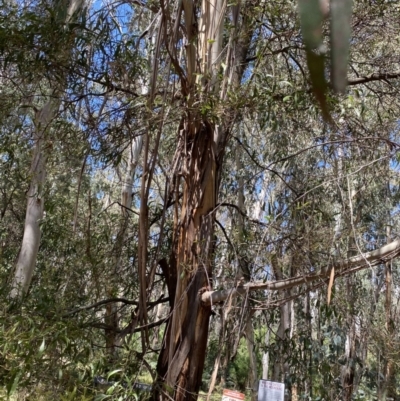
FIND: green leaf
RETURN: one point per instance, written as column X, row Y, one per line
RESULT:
column 341, row 11
column 12, row 385
column 100, row 397
column 114, row 372
column 316, row 67
column 311, row 19
column 42, row 347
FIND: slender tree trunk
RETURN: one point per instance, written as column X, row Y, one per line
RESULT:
column 217, row 362
column 27, row 256
column 281, row 366
column 386, row 385
column 244, row 272
column 265, row 357
column 349, row 369
column 249, row 332
column 111, row 318
column 35, row 205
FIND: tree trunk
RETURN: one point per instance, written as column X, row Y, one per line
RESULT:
column 265, row 357
column 349, row 382
column 386, row 385
column 199, row 155
column 27, row 256
column 221, row 335
column 35, row 205
column 253, row 358
column 111, row 318
column 181, row 360
column 281, row 367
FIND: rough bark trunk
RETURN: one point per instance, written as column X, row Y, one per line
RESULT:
column 200, row 152
column 249, row 332
column 182, row 358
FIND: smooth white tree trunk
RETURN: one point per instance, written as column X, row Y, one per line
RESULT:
column 27, row 256
column 35, row 205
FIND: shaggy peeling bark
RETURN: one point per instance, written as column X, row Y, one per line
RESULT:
column 200, row 149
column 181, row 360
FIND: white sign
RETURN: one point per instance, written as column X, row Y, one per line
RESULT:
column 271, row 391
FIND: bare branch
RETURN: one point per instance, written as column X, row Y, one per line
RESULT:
column 374, row 77
column 114, row 300
column 346, row 267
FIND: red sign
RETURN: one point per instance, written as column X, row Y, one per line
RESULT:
column 231, row 395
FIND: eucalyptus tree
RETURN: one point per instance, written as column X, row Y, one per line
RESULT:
column 238, row 170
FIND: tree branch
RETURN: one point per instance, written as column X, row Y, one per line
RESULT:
column 127, row 329
column 374, row 77
column 346, row 267
column 113, row 300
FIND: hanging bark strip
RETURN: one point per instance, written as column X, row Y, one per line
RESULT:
column 182, row 358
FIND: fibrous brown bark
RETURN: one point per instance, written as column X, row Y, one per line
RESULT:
column 182, row 358
column 198, row 160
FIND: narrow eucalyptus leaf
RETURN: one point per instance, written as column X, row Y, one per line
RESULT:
column 341, row 11
column 42, row 347
column 315, row 63
column 311, row 18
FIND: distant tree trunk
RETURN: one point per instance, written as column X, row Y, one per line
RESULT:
column 27, row 256
column 257, row 215
column 217, row 362
column 35, row 205
column 265, row 357
column 386, row 386
column 307, row 351
column 349, row 369
column 249, row 332
column 281, row 366
column 244, row 273
column 111, row 317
